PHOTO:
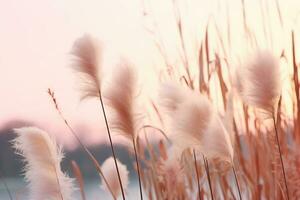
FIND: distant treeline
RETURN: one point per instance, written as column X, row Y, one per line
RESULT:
column 11, row 164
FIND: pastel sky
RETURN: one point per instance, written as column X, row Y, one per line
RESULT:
column 36, row 38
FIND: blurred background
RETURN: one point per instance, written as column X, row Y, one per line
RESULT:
column 35, row 42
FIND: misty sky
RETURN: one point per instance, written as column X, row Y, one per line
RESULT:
column 36, row 38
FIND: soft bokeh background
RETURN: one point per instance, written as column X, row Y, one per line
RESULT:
column 36, row 38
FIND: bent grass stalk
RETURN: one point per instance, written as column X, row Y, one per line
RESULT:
column 90, row 155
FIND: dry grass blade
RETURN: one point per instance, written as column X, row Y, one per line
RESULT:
column 279, row 13
column 202, row 84
column 79, row 178
column 296, row 85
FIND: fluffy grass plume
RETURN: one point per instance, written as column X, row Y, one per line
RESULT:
column 120, row 96
column 112, row 177
column 258, row 82
column 43, row 172
column 87, row 54
column 194, row 123
column 171, row 96
column 216, row 142
column 188, row 113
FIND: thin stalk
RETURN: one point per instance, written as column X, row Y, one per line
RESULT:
column 90, row 155
column 208, row 177
column 237, row 182
column 280, row 155
column 57, row 180
column 138, row 168
column 196, row 168
column 111, row 144
column 6, row 186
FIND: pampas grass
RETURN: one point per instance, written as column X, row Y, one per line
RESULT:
column 87, row 62
column 113, row 181
column 206, row 121
column 195, row 124
column 188, row 112
column 260, row 86
column 259, row 82
column 121, row 98
column 43, row 158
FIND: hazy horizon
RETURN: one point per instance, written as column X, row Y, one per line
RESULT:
column 37, row 37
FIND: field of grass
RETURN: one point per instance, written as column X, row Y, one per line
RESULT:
column 227, row 114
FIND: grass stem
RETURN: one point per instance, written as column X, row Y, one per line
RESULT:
column 197, row 174
column 237, row 182
column 111, row 144
column 90, row 155
column 138, row 169
column 208, row 177
column 280, row 155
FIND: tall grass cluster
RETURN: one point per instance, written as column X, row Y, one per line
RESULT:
column 224, row 133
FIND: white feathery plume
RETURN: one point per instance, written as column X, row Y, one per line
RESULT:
column 171, row 96
column 190, row 120
column 120, row 97
column 228, row 119
column 216, row 142
column 87, row 54
column 112, row 176
column 42, row 170
column 195, row 124
column 258, row 82
column 189, row 114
